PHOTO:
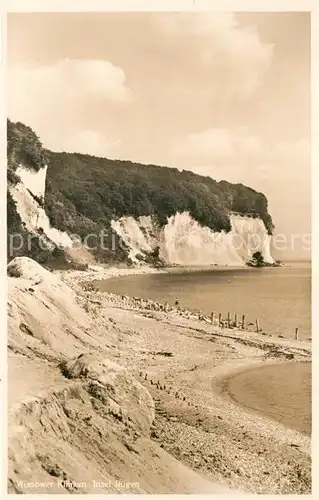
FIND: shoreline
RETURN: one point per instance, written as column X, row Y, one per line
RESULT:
column 225, row 386
column 103, row 272
column 139, row 304
column 178, row 358
column 80, row 280
column 143, row 288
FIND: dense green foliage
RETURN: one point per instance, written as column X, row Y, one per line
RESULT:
column 84, row 193
column 24, row 147
column 258, row 259
column 101, row 189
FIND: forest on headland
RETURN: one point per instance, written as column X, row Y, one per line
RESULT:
column 84, row 193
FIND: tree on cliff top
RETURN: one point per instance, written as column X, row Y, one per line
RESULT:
column 24, row 146
column 257, row 260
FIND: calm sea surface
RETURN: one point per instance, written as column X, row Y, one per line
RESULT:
column 279, row 297
column 282, row 392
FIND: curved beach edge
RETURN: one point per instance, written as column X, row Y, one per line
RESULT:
column 121, row 390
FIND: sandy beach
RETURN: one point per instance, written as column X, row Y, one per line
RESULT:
column 179, row 361
column 193, row 360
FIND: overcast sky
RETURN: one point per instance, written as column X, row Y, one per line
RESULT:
column 225, row 95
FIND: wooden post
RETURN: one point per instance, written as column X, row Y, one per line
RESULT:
column 296, row 334
column 257, row 325
column 228, row 320
column 212, row 317
column 220, row 319
column 243, row 322
column 236, row 320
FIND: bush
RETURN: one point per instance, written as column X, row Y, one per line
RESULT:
column 257, row 260
column 12, row 177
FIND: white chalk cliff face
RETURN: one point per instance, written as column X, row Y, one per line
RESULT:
column 33, row 180
column 183, row 241
column 30, row 211
column 140, row 235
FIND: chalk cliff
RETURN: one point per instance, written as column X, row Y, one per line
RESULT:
column 183, row 241
column 148, row 213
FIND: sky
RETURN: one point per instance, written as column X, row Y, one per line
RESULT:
column 226, row 95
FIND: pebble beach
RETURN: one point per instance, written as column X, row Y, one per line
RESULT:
column 184, row 361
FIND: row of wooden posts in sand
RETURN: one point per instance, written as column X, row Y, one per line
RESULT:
column 163, row 387
column 238, row 321
column 229, row 323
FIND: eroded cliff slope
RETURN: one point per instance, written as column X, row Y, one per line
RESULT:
column 78, row 420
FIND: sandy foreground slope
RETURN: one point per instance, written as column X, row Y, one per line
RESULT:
column 108, row 394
